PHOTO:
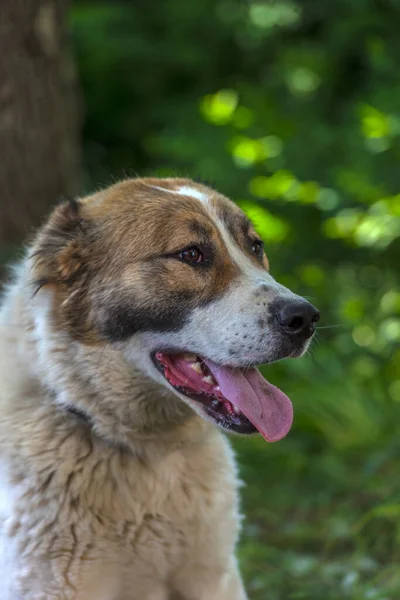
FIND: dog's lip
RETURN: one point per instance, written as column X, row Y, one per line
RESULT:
column 239, row 390
column 218, row 409
column 234, row 365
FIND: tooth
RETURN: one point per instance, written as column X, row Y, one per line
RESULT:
column 190, row 356
column 209, row 379
column 217, row 388
column 196, row 366
column 236, row 410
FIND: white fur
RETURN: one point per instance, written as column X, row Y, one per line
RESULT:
column 7, row 553
column 185, row 191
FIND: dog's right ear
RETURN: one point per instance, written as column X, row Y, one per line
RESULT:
column 61, row 247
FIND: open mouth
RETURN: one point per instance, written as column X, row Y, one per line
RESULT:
column 237, row 399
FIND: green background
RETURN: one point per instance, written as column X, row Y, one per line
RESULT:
column 291, row 109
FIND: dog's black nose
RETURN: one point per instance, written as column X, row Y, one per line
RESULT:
column 297, row 318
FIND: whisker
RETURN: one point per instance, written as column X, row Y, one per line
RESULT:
column 311, row 350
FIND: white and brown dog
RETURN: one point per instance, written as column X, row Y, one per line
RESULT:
column 131, row 332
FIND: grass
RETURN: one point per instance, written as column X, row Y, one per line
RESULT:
column 320, row 524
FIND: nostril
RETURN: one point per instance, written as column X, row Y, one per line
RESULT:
column 316, row 317
column 287, row 319
column 296, row 323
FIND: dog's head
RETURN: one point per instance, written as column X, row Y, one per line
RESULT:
column 174, row 275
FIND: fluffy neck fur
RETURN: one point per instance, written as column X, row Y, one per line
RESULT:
column 54, row 372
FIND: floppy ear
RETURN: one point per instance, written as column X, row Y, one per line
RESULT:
column 59, row 252
column 60, row 260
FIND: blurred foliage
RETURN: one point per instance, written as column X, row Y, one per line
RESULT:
column 292, row 109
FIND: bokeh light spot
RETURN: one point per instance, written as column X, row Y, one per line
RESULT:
column 220, row 107
column 364, row 335
column 270, row 227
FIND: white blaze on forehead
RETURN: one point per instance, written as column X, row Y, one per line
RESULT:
column 253, row 273
column 185, row 190
column 193, row 192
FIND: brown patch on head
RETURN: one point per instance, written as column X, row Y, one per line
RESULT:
column 113, row 259
column 146, row 229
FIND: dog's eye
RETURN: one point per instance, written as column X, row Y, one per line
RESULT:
column 192, row 255
column 257, row 248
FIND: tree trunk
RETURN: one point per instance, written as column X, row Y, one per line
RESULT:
column 39, row 115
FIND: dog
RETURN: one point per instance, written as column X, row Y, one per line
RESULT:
column 130, row 339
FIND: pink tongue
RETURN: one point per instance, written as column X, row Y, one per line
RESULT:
column 269, row 409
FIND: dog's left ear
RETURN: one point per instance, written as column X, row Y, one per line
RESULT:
column 61, row 247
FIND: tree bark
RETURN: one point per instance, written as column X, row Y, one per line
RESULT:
column 39, row 115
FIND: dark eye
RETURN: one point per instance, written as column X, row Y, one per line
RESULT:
column 192, row 255
column 257, row 248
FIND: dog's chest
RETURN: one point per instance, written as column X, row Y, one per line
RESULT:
column 114, row 520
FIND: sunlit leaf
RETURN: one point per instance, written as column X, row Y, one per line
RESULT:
column 390, row 330
column 376, row 145
column 390, row 302
column 270, row 14
column 272, row 146
column 343, row 224
column 220, row 107
column 375, row 124
column 307, row 192
column 276, row 186
column 364, row 335
column 327, row 199
column 270, row 227
column 302, row 81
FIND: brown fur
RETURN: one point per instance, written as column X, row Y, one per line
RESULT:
column 131, row 495
column 114, row 485
column 91, row 244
